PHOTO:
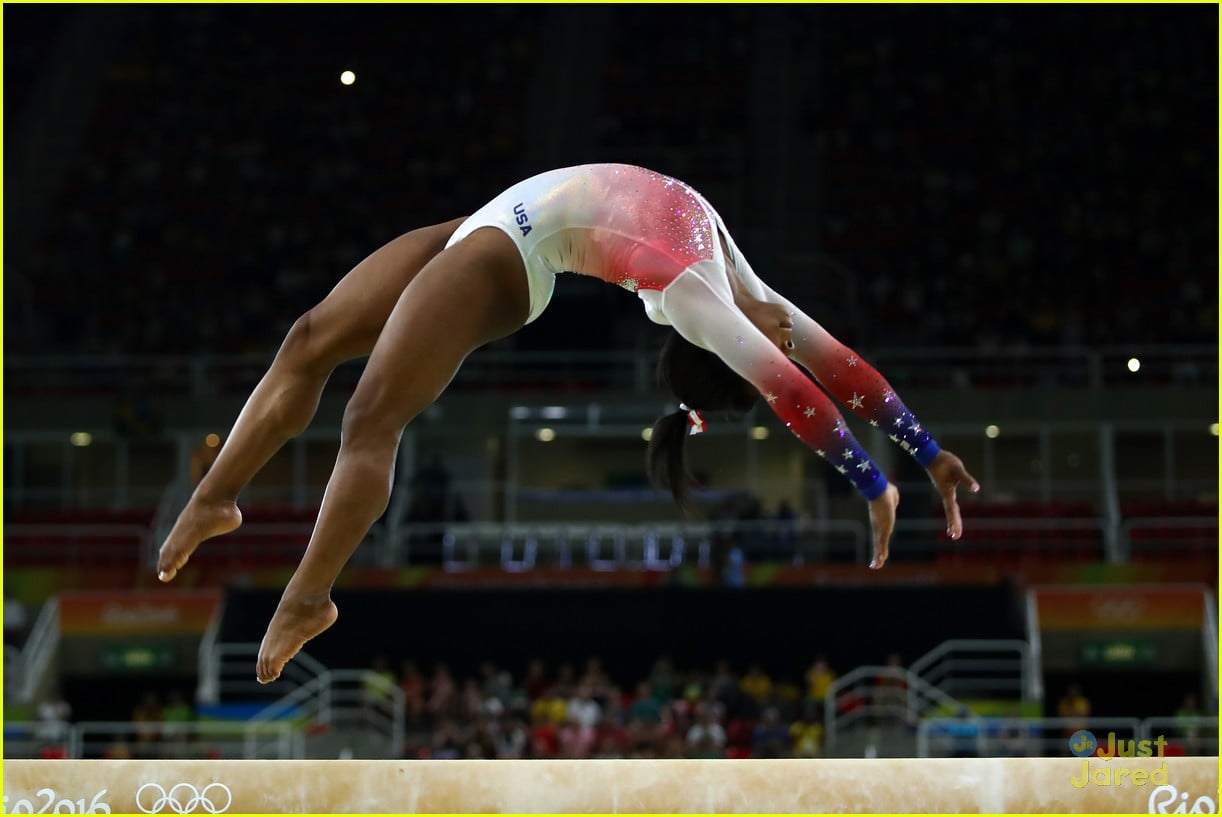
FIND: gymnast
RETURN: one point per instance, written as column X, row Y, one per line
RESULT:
column 420, row 304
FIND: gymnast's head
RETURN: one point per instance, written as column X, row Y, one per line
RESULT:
column 703, row 384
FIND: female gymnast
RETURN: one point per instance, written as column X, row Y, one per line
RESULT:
column 419, row 305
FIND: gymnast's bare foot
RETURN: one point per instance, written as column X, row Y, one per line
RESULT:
column 882, row 522
column 201, row 519
column 296, row 621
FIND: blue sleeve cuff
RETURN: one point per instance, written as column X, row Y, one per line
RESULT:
column 875, row 489
column 927, row 453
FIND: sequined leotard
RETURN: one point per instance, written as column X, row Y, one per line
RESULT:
column 658, row 237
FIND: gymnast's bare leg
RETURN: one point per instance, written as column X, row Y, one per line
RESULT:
column 345, row 325
column 472, row 293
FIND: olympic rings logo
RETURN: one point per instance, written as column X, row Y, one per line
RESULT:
column 183, row 798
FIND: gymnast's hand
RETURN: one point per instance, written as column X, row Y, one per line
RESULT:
column 882, row 522
column 947, row 473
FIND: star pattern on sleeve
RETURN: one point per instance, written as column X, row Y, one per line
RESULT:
column 857, row 400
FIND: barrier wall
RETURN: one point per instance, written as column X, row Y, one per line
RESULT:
column 1124, row 785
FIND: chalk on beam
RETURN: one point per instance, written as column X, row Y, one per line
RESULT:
column 1174, row 785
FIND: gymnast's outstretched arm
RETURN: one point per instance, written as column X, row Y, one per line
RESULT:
column 867, row 393
column 708, row 319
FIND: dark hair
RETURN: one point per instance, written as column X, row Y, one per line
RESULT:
column 701, row 381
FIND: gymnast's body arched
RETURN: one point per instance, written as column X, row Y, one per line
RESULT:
column 420, row 304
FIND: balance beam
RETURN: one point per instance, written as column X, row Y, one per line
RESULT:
column 1123, row 785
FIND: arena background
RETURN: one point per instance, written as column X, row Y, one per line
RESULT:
column 1012, row 211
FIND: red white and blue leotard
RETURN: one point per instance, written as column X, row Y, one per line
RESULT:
column 658, row 237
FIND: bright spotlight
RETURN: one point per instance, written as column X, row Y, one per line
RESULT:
column 647, row 433
column 545, row 435
column 212, row 440
column 1213, row 429
column 759, row 433
column 347, row 77
column 81, row 438
column 1134, row 364
column 991, row 431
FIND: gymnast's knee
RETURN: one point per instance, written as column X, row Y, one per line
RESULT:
column 368, row 427
column 308, row 347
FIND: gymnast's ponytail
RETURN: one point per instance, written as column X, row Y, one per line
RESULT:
column 702, row 383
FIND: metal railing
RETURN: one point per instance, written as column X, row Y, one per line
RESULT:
column 1179, row 534
column 68, row 544
column 317, row 696
column 14, row 673
column 227, row 673
column 1050, row 737
column 979, row 668
column 39, row 652
column 932, row 367
column 874, row 695
column 658, row 546
column 646, row 545
column 249, row 740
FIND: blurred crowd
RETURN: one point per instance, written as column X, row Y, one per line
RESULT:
column 582, row 713
column 988, row 175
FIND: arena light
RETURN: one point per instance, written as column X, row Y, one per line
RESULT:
column 991, row 431
column 759, row 433
column 347, row 77
column 1213, row 429
column 212, row 440
column 545, row 435
column 81, row 439
column 1134, row 364
column 647, row 433
column 554, row 413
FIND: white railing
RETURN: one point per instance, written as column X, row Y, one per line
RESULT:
column 249, row 740
column 647, row 545
column 1043, row 737
column 230, row 671
column 880, row 694
column 72, row 544
column 315, row 694
column 1197, row 735
column 979, row 668
column 1174, row 534
column 935, row 367
column 659, row 546
column 39, row 651
column 14, row 673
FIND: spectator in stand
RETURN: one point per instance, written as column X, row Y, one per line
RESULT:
column 583, row 708
column 1075, row 706
column 645, row 707
column 544, row 737
column 411, row 682
column 442, row 695
column 536, row 681
column 756, row 684
column 447, row 741
column 707, row 737
column 54, row 713
column 1186, row 718
column 819, row 678
column 595, row 680
column 512, row 740
column 662, row 680
column 550, row 705
column 377, row 681
column 576, row 739
column 806, row 734
column 611, row 739
column 147, row 716
column 771, row 738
